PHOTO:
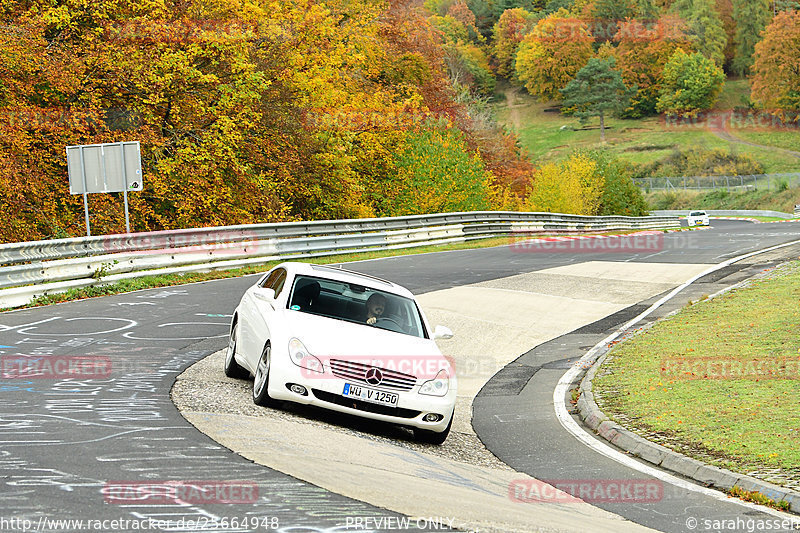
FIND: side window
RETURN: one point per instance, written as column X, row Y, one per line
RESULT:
column 279, row 282
column 270, row 280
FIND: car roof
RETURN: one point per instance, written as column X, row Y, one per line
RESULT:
column 346, row 276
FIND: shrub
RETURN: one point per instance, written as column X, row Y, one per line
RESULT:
column 573, row 186
column 435, row 174
column 702, row 162
column 692, row 83
column 620, row 195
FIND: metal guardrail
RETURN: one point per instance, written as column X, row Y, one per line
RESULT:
column 39, row 267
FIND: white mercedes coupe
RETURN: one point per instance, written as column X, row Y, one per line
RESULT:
column 343, row 341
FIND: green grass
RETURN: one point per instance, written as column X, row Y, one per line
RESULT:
column 548, row 136
column 788, row 140
column 669, row 381
column 735, row 93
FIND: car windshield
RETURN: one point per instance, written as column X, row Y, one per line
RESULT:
column 697, row 213
column 356, row 303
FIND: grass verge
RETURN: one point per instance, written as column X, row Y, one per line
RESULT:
column 757, row 497
column 718, row 380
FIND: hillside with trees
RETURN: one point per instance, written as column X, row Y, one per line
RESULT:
column 246, row 112
column 260, row 111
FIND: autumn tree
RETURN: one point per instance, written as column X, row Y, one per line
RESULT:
column 776, row 6
column 607, row 14
column 614, row 9
column 461, row 12
column 573, row 186
column 553, row 6
column 508, row 33
column 725, row 10
column 647, row 10
column 509, row 169
column 705, row 27
column 246, row 112
column 775, row 85
column 488, row 12
column 550, row 56
column 751, row 17
column 643, row 49
column 437, row 174
column 192, row 97
column 621, row 196
column 692, row 83
column 596, row 91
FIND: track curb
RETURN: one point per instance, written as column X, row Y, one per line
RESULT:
column 658, row 455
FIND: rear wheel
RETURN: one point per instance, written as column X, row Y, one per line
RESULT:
column 432, row 437
column 261, row 381
column 232, row 368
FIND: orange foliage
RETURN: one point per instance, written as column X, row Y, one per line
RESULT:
column 246, row 112
column 642, row 51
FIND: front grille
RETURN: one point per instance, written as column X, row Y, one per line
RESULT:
column 354, row 371
column 365, row 406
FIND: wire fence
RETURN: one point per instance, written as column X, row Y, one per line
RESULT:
column 765, row 182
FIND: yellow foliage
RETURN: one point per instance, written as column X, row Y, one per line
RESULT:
column 574, row 186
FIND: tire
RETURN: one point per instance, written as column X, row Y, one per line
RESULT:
column 261, row 380
column 232, row 368
column 432, row 437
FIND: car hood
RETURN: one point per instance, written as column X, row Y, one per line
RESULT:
column 330, row 337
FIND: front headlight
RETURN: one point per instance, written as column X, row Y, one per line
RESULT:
column 437, row 386
column 300, row 356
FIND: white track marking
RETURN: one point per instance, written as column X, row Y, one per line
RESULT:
column 566, row 420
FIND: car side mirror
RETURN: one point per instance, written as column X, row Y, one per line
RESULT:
column 266, row 294
column 442, row 332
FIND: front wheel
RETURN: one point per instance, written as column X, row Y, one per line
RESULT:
column 232, row 368
column 432, row 437
column 261, row 381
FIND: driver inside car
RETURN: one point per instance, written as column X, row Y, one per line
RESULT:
column 375, row 307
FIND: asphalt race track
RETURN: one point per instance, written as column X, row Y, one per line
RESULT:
column 67, row 445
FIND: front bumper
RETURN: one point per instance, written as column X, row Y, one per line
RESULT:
column 325, row 391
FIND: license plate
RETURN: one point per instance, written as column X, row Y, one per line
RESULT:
column 370, row 395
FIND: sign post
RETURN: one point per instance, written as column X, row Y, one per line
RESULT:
column 108, row 167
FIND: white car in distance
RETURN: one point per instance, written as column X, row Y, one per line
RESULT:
column 697, row 218
column 343, row 341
